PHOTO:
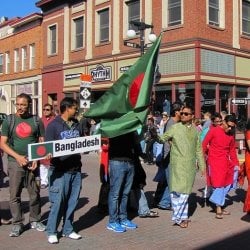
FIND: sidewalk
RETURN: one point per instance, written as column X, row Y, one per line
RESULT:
column 204, row 231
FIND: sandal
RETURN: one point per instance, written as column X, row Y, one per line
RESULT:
column 150, row 214
column 219, row 216
column 225, row 212
column 184, row 224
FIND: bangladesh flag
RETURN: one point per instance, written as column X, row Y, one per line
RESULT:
column 40, row 150
column 124, row 107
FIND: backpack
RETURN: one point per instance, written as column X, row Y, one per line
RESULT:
column 11, row 124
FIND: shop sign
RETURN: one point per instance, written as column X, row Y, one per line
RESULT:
column 101, row 73
column 124, row 68
column 72, row 76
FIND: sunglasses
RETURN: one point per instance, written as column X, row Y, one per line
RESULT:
column 46, row 109
column 230, row 126
column 185, row 113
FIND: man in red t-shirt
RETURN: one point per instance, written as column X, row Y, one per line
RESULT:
column 48, row 116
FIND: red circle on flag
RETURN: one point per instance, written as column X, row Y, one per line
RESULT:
column 41, row 150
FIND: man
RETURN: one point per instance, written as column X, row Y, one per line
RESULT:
column 121, row 173
column 64, row 174
column 185, row 151
column 222, row 161
column 48, row 116
column 165, row 201
column 14, row 141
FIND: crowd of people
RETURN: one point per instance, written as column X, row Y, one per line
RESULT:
column 177, row 142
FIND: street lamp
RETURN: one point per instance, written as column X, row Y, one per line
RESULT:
column 132, row 34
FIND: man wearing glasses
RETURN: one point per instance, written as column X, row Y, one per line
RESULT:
column 219, row 144
column 48, row 116
column 14, row 142
column 185, row 151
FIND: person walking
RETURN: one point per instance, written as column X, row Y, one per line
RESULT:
column 48, row 116
column 185, row 151
column 15, row 138
column 121, row 173
column 219, row 144
column 64, row 173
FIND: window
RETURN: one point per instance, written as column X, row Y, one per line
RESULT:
column 246, row 18
column 174, row 12
column 24, row 58
column 32, row 56
column 52, row 40
column 104, row 25
column 1, row 63
column 7, row 62
column 214, row 12
column 16, row 60
column 78, row 33
column 133, row 13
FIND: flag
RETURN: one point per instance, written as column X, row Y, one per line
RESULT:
column 40, row 150
column 124, row 107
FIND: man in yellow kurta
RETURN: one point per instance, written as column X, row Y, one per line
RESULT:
column 185, row 152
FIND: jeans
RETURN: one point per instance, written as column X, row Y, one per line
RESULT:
column 165, row 201
column 19, row 178
column 64, row 191
column 121, row 179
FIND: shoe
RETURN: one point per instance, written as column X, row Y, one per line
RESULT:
column 73, row 236
column 38, row 226
column 52, row 239
column 128, row 224
column 150, row 214
column 43, row 186
column 116, row 227
column 16, row 230
column 5, row 222
column 164, row 208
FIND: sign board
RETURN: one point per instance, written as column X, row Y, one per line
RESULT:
column 239, row 101
column 37, row 151
column 209, row 102
column 85, row 91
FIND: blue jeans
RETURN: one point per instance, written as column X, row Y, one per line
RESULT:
column 64, row 191
column 165, row 201
column 121, row 175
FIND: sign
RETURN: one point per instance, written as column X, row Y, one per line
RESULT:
column 37, row 151
column 101, row 73
column 130, row 44
column 209, row 102
column 239, row 101
column 85, row 91
column 124, row 68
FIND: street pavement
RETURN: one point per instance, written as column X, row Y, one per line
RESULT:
column 204, row 231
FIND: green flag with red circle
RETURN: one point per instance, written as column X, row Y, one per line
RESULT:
column 124, row 107
column 40, row 150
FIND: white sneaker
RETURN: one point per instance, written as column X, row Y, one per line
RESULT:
column 52, row 239
column 73, row 236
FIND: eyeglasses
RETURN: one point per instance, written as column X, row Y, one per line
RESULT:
column 185, row 113
column 230, row 126
column 46, row 109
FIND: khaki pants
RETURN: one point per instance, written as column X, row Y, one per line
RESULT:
column 18, row 178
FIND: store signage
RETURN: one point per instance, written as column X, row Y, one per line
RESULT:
column 239, row 101
column 209, row 102
column 101, row 73
column 124, row 68
column 72, row 76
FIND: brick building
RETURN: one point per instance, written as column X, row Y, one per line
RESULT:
column 204, row 57
column 20, row 61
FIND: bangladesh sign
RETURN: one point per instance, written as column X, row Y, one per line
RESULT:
column 37, row 151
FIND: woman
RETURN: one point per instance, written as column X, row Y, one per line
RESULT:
column 222, row 159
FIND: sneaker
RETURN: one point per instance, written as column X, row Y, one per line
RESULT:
column 52, row 239
column 38, row 226
column 16, row 230
column 73, row 236
column 116, row 227
column 128, row 224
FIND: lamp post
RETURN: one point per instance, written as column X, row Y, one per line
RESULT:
column 132, row 34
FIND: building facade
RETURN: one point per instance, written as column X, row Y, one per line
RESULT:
column 204, row 56
column 20, row 61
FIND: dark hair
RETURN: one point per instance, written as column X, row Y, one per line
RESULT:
column 25, row 96
column 67, row 102
column 215, row 115
column 48, row 105
column 248, row 124
column 230, row 118
column 187, row 106
column 176, row 106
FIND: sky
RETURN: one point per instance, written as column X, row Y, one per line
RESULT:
column 20, row 8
